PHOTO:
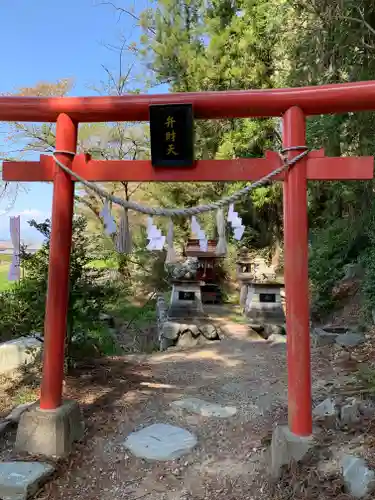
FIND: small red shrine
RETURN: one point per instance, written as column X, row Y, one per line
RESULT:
column 207, row 269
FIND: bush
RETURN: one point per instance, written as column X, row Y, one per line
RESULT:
column 368, row 264
column 331, row 249
column 23, row 306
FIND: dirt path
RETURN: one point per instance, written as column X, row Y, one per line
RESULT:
column 122, row 395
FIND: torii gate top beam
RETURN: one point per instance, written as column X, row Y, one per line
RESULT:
column 324, row 99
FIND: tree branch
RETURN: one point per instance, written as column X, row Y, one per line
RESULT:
column 122, row 11
column 362, row 21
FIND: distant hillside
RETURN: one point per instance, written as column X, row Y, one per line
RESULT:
column 6, row 247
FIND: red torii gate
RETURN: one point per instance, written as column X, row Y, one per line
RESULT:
column 292, row 104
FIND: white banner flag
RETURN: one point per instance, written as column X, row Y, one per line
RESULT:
column 15, row 229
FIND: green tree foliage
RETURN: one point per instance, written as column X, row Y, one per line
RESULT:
column 23, row 306
column 203, row 45
column 196, row 45
column 334, row 42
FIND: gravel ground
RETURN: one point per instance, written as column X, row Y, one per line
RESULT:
column 121, row 395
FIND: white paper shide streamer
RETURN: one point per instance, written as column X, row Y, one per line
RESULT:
column 109, row 222
column 156, row 239
column 221, row 247
column 15, row 232
column 236, row 223
column 123, row 237
column 171, row 252
column 201, row 235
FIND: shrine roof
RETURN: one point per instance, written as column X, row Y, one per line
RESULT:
column 192, row 249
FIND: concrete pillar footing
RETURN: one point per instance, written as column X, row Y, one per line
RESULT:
column 50, row 432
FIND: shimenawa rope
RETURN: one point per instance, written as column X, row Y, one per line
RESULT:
column 187, row 212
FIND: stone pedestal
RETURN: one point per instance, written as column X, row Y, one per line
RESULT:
column 243, row 295
column 287, row 447
column 186, row 300
column 264, row 303
column 50, row 432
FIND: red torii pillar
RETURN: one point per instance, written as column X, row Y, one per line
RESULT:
column 313, row 166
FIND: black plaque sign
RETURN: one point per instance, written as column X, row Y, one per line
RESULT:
column 267, row 297
column 172, row 135
column 186, row 296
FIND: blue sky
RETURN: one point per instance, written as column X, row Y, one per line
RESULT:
column 46, row 40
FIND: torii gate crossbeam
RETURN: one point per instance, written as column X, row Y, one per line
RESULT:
column 293, row 104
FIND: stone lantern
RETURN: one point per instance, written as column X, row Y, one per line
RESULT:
column 186, row 297
column 244, row 274
column 261, row 290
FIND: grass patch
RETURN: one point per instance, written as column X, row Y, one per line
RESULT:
column 366, row 377
column 138, row 315
column 25, row 395
column 5, row 258
column 236, row 318
column 4, row 283
column 105, row 340
column 136, row 325
column 232, row 298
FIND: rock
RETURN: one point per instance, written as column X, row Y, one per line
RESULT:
column 349, row 413
column 20, row 480
column 338, row 329
column 165, row 343
column 204, row 408
column 322, row 338
column 4, row 426
column 16, row 413
column 160, row 442
column 367, row 408
column 348, row 340
column 186, row 339
column 15, row 354
column 359, row 479
column 326, row 412
column 353, row 271
column 106, row 318
column 209, row 331
column 276, row 338
column 325, row 408
column 183, row 270
column 193, row 329
column 256, row 327
column 345, row 288
column 170, row 330
column 270, row 329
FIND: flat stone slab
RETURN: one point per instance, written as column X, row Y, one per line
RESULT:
column 160, row 442
column 350, row 340
column 19, row 480
column 204, row 408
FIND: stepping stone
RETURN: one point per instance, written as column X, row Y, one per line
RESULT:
column 160, row 442
column 204, row 408
column 20, row 480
